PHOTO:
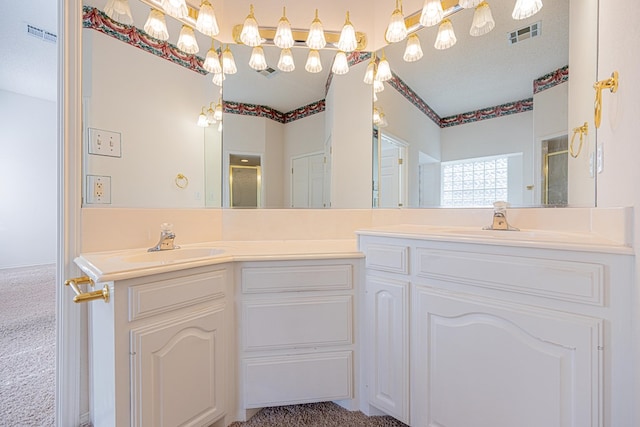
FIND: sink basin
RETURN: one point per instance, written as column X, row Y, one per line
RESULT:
column 173, row 255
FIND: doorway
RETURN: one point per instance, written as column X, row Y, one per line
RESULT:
column 555, row 171
column 307, row 181
column 245, row 181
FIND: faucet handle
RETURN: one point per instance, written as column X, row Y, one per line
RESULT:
column 166, row 227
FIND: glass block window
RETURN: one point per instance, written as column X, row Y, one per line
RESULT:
column 475, row 182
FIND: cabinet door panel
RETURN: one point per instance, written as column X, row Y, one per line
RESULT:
column 177, row 370
column 387, row 303
column 485, row 363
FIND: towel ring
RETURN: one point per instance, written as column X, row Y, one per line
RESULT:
column 583, row 131
column 181, row 181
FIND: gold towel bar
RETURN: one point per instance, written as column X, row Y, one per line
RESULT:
column 86, row 296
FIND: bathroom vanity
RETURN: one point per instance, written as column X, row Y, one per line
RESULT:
column 479, row 327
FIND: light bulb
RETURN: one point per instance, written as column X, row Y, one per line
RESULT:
column 347, row 42
column 370, row 73
column 340, row 63
column 397, row 29
column 285, row 63
column 413, row 51
column 257, row 61
column 156, row 25
column 313, row 65
column 384, row 70
column 228, row 63
column 212, row 61
column 315, row 39
column 207, row 23
column 283, row 38
column 250, row 34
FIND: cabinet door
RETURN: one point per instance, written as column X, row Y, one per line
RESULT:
column 177, row 370
column 387, row 303
column 486, row 363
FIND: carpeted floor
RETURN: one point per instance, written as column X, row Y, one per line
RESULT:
column 27, row 346
column 324, row 414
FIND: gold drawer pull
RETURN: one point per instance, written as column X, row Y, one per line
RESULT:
column 86, row 296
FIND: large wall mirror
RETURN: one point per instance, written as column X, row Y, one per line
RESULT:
column 322, row 155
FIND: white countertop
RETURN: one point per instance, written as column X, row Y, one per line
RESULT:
column 575, row 241
column 130, row 263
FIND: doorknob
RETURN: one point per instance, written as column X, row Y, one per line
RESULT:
column 86, row 296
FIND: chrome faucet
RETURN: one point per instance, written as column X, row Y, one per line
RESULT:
column 166, row 239
column 500, row 218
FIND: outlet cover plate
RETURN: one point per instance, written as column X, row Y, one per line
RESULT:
column 98, row 190
column 105, row 143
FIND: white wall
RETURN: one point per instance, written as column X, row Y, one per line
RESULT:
column 154, row 104
column 28, row 170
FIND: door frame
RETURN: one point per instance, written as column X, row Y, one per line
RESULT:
column 69, row 343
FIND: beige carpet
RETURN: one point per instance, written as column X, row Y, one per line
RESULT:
column 27, row 346
column 325, row 414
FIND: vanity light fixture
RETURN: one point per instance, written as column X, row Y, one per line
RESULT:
column 176, row 8
column 212, row 60
column 202, row 119
column 284, row 37
column 340, row 63
column 316, row 39
column 413, row 51
column 285, row 63
column 379, row 118
column 370, row 73
column 482, row 20
column 187, row 40
column 526, row 8
column 207, row 23
column 211, row 114
column 119, row 10
column 250, row 34
column 432, row 13
column 397, row 29
column 468, row 4
column 446, row 36
column 257, row 61
column 313, row 65
column 347, row 42
column 228, row 63
column 218, row 78
column 384, row 70
column 156, row 25
column 218, row 111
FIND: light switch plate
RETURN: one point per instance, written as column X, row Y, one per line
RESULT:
column 105, row 143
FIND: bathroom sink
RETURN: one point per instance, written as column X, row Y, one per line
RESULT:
column 173, row 255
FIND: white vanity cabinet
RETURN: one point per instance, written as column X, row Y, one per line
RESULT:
column 160, row 349
column 463, row 334
column 296, row 332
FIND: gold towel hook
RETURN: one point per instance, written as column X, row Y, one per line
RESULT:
column 583, row 131
column 611, row 84
column 74, row 283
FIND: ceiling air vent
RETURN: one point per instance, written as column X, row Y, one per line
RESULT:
column 530, row 31
column 41, row 34
column 268, row 72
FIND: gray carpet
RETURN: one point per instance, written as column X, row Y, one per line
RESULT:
column 325, row 414
column 27, row 346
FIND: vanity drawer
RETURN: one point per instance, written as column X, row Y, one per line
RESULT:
column 285, row 380
column 157, row 297
column 573, row 281
column 295, row 278
column 391, row 258
column 296, row 322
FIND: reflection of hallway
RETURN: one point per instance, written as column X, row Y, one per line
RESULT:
column 27, row 346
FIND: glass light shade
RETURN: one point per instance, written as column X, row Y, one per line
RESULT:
column 218, row 111
column 375, row 97
column 446, row 36
column 228, row 63
column 526, row 8
column 187, row 41
column 315, row 39
column 285, row 63
column 218, row 78
column 207, row 23
column 176, row 8
column 313, row 65
column 347, row 42
column 212, row 61
column 250, row 34
column 211, row 115
column 482, row 20
column 119, row 11
column 340, row 63
column 283, row 38
column 432, row 13
column 156, row 25
column 383, row 120
column 384, row 70
column 377, row 86
column 468, row 4
column 397, row 29
column 202, row 119
column 370, row 74
column 257, row 61
column 413, row 51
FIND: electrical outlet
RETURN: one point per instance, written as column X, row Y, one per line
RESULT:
column 105, row 143
column 98, row 189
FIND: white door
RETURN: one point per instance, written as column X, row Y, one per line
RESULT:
column 389, row 178
column 307, row 181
